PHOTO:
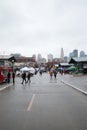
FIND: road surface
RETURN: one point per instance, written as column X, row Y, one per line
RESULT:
column 44, row 104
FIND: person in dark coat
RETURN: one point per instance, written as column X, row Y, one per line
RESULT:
column 8, row 76
column 13, row 77
column 40, row 72
column 28, row 77
column 55, row 73
column 24, row 77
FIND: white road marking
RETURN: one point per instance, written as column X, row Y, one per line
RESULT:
column 31, row 102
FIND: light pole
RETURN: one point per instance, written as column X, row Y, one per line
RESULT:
column 12, row 61
column 13, row 74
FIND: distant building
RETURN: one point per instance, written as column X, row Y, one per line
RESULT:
column 64, row 65
column 43, row 60
column 34, row 56
column 39, row 58
column 50, row 57
column 74, row 53
column 65, row 59
column 82, row 53
column 25, row 61
column 62, row 55
column 6, row 60
column 70, row 54
column 80, row 62
column 56, row 60
column 16, row 55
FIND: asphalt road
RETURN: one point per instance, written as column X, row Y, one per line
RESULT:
column 44, row 104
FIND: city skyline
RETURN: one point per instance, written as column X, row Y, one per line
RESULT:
column 74, row 53
column 37, row 26
column 18, row 53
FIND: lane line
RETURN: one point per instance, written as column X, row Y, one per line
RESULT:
column 31, row 103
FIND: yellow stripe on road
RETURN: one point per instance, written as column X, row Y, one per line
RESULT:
column 31, row 103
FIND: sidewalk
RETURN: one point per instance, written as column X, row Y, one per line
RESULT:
column 78, row 82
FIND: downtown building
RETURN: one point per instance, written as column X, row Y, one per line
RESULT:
column 49, row 57
column 74, row 53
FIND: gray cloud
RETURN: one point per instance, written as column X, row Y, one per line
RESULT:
column 37, row 26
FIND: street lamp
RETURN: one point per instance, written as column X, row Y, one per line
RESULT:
column 13, row 74
column 12, row 61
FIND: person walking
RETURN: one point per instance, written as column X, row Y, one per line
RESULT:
column 28, row 77
column 24, row 77
column 13, row 77
column 40, row 72
column 55, row 73
column 8, row 76
column 51, row 73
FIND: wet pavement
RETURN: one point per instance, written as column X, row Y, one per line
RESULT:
column 45, row 104
column 5, row 85
column 78, row 82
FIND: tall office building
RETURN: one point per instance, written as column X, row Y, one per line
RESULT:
column 62, row 55
column 34, row 56
column 75, row 53
column 65, row 59
column 82, row 53
column 70, row 54
column 39, row 58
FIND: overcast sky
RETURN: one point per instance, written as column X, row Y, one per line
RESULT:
column 43, row 26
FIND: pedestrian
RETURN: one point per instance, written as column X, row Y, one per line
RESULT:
column 61, row 71
column 28, row 77
column 55, row 73
column 51, row 74
column 8, row 76
column 13, row 77
column 24, row 77
column 40, row 72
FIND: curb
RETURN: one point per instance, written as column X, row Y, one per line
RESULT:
column 74, row 87
column 1, row 89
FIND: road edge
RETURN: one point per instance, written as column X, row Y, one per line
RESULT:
column 74, row 87
column 1, row 89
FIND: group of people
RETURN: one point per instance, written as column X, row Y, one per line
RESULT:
column 9, row 76
column 53, row 72
column 26, row 77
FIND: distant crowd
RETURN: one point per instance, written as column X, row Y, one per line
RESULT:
column 26, row 76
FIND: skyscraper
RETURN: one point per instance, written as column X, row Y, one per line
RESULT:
column 34, row 56
column 39, row 57
column 82, row 53
column 75, row 53
column 62, row 55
